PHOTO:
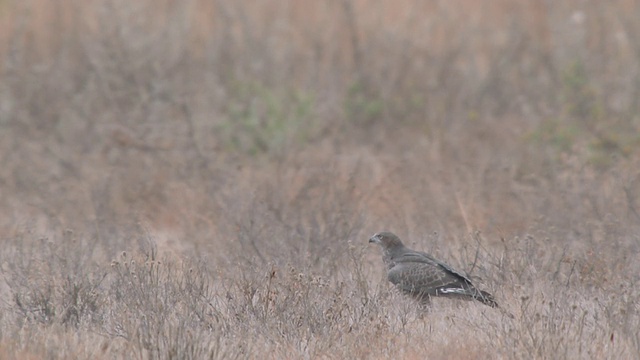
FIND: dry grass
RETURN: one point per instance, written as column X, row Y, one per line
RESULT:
column 196, row 179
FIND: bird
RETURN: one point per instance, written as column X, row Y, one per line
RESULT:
column 421, row 276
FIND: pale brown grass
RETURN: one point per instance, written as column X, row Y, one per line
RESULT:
column 196, row 179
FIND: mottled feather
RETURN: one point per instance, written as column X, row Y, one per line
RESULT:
column 421, row 276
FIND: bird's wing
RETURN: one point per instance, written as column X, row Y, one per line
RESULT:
column 420, row 274
column 421, row 277
column 421, row 257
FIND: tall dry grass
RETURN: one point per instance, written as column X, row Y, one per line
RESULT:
column 198, row 179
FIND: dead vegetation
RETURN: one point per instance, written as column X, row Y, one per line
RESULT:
column 198, row 179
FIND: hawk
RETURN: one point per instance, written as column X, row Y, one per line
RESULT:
column 421, row 276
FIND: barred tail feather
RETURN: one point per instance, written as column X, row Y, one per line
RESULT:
column 486, row 298
column 469, row 292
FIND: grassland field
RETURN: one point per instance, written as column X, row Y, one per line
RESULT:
column 198, row 179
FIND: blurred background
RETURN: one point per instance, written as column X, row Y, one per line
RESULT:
column 193, row 117
column 246, row 142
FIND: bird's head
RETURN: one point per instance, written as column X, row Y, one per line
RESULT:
column 386, row 239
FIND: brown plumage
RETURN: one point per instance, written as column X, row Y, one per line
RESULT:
column 421, row 276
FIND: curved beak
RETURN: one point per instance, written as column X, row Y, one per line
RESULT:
column 374, row 239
